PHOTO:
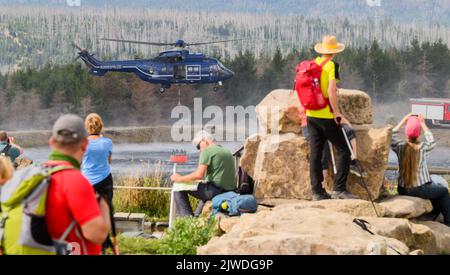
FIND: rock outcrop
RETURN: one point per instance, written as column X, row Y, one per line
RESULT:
column 352, row 207
column 406, row 207
column 281, row 166
column 23, row 162
column 373, row 153
column 278, row 112
column 309, row 231
column 278, row 159
column 280, row 163
column 441, row 237
column 356, row 106
column 327, row 227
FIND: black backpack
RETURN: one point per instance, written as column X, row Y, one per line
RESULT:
column 245, row 183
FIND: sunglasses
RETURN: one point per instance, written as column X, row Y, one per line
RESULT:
column 198, row 145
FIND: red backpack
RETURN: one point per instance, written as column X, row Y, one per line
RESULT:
column 307, row 85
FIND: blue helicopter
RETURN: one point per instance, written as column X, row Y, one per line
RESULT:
column 171, row 67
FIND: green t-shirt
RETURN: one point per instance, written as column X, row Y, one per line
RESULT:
column 12, row 153
column 221, row 168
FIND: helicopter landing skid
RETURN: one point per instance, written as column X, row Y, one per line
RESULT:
column 163, row 88
column 218, row 86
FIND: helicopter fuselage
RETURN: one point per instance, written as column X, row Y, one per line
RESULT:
column 169, row 68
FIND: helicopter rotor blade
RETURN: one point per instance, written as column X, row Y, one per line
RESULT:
column 138, row 42
column 212, row 42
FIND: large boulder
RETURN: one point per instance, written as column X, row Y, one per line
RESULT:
column 406, row 207
column 23, row 162
column 441, row 234
column 399, row 229
column 278, row 112
column 280, row 163
column 356, row 106
column 429, row 237
column 307, row 231
column 373, row 153
column 424, row 239
column 353, row 207
column 248, row 159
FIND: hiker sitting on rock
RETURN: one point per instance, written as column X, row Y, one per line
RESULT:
column 216, row 167
column 8, row 148
column 413, row 176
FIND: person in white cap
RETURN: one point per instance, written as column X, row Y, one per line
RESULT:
column 216, row 168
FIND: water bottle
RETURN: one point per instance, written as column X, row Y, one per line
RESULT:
column 316, row 82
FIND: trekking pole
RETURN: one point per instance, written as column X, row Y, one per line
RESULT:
column 333, row 160
column 112, row 241
column 177, row 157
column 115, row 242
column 362, row 181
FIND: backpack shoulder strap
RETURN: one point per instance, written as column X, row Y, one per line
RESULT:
column 325, row 62
column 57, row 169
column 5, row 150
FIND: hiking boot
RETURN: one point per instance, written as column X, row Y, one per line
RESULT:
column 320, row 197
column 343, row 195
column 355, row 171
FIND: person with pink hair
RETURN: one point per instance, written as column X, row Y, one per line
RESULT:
column 413, row 176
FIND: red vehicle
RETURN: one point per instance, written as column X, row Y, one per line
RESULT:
column 435, row 110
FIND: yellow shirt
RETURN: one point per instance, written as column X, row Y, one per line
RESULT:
column 328, row 73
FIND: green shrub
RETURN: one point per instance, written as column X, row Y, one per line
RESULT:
column 187, row 235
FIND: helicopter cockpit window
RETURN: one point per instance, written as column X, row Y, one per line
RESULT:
column 214, row 70
column 220, row 65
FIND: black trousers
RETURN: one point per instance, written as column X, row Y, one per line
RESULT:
column 321, row 130
column 105, row 190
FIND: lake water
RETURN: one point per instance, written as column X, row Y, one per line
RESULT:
column 138, row 158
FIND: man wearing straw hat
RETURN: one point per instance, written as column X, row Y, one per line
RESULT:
column 323, row 125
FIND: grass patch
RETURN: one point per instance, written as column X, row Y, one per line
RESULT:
column 447, row 178
column 151, row 202
column 138, row 246
column 155, row 204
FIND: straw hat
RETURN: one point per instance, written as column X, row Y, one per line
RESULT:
column 329, row 45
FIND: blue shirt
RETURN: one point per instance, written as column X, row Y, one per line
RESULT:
column 95, row 166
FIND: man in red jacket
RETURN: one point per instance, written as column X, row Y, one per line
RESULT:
column 70, row 195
